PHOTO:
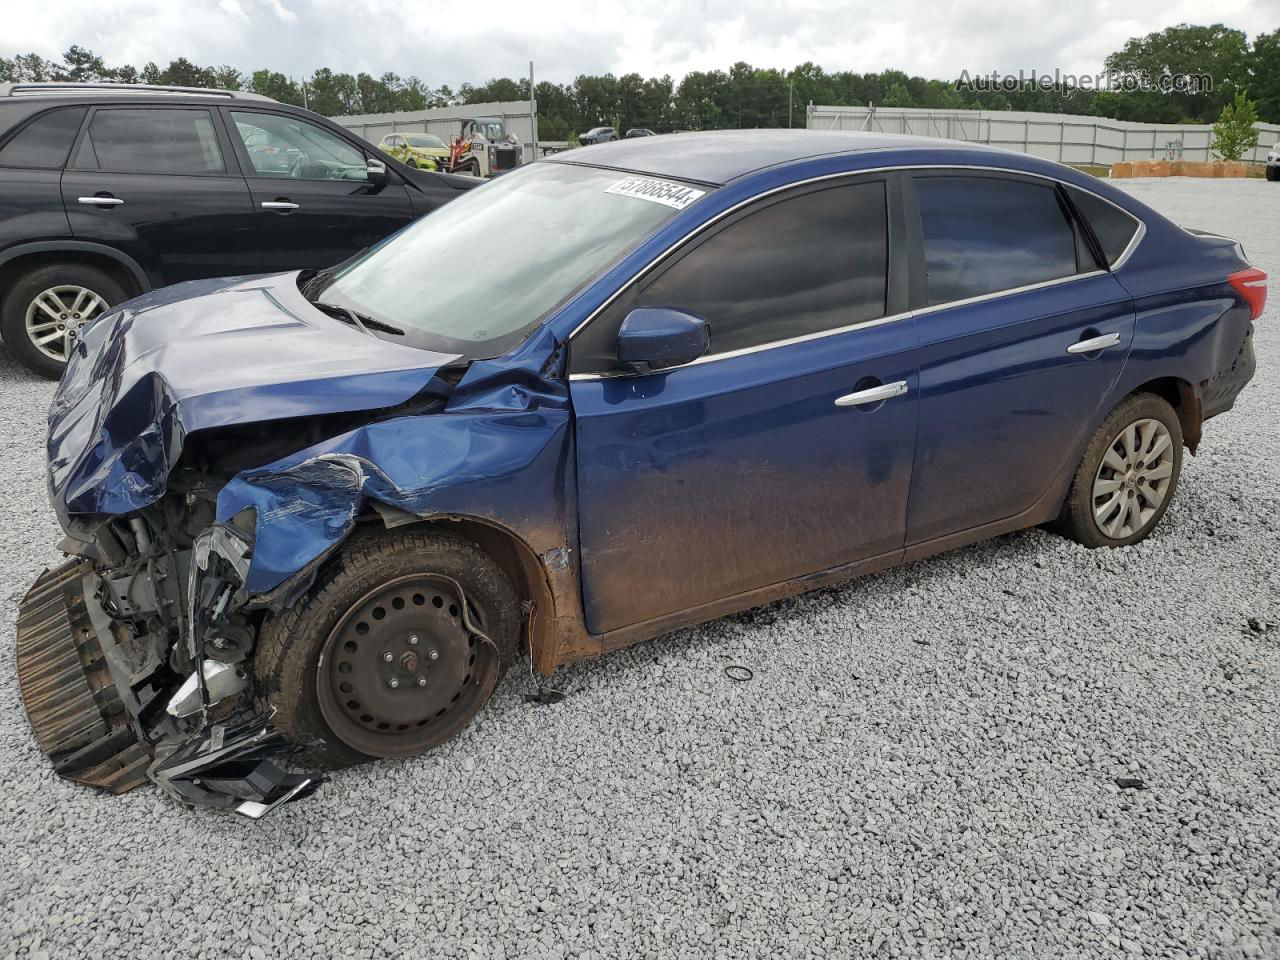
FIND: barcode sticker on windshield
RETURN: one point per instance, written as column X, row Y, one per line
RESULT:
column 659, row 191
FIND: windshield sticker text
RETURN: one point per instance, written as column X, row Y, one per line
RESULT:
column 659, row 191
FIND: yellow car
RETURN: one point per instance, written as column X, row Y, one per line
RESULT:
column 422, row 150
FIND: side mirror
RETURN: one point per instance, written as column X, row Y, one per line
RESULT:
column 376, row 172
column 655, row 337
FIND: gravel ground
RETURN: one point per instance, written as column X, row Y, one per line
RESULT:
column 923, row 764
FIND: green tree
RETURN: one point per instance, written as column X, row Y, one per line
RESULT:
column 276, row 86
column 84, row 66
column 1235, row 135
column 1175, row 55
column 897, row 96
column 1264, row 82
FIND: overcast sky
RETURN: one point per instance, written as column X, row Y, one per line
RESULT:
column 452, row 42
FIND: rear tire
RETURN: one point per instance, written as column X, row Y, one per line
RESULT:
column 411, row 163
column 1127, row 477
column 46, row 303
column 378, row 659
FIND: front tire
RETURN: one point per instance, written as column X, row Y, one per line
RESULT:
column 396, row 648
column 1273, row 174
column 44, row 308
column 1128, row 475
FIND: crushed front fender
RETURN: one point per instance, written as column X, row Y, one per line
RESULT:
column 494, row 452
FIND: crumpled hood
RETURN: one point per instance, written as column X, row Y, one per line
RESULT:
column 209, row 353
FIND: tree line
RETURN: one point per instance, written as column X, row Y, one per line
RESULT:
column 750, row 97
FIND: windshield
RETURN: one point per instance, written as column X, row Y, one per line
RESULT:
column 477, row 275
column 425, row 140
column 492, row 131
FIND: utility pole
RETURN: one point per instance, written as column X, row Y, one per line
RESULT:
column 791, row 96
column 533, row 114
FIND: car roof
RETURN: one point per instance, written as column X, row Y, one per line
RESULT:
column 719, row 156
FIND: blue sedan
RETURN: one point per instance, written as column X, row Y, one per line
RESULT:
column 690, row 375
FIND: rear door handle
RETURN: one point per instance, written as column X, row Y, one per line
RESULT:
column 101, row 201
column 278, row 205
column 1094, row 344
column 885, row 391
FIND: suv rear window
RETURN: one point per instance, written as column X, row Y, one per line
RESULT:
column 1112, row 226
column 44, row 142
column 151, row 141
column 986, row 234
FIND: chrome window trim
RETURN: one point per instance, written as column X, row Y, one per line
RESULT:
column 1138, row 235
column 934, row 307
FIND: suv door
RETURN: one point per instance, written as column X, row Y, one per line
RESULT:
column 1008, row 387
column 321, row 208
column 750, row 466
column 159, row 184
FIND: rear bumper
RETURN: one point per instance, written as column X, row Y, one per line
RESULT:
column 1218, row 394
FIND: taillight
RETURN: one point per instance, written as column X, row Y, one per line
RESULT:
column 1251, row 284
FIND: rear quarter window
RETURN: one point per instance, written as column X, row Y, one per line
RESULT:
column 43, row 143
column 1113, row 227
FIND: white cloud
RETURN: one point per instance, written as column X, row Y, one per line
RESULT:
column 452, row 43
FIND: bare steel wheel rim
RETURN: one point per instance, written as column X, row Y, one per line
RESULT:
column 402, row 671
column 55, row 316
column 1133, row 479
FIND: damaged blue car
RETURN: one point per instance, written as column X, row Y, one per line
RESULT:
column 312, row 518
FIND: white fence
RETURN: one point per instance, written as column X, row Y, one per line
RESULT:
column 1067, row 138
column 444, row 122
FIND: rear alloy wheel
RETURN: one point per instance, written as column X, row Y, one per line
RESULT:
column 1133, row 479
column 45, row 309
column 398, row 645
column 1127, row 476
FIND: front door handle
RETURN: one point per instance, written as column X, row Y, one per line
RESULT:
column 278, row 205
column 101, row 201
column 885, row 391
column 1094, row 344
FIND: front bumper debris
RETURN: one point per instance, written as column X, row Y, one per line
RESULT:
column 233, row 768
column 75, row 709
column 103, row 719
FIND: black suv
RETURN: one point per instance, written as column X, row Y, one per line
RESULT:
column 107, row 191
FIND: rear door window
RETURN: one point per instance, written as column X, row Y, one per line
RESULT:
column 1112, row 226
column 45, row 141
column 985, row 234
column 167, row 141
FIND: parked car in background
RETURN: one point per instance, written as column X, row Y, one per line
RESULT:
column 639, row 132
column 598, row 135
column 108, row 191
column 1273, row 163
column 423, row 150
column 699, row 373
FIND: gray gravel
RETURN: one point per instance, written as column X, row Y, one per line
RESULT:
column 923, row 764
